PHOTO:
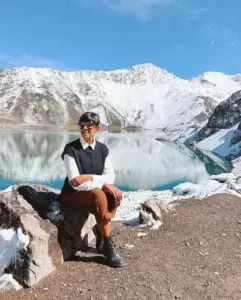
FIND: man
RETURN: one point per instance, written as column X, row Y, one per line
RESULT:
column 89, row 183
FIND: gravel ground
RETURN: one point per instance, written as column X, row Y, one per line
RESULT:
column 195, row 255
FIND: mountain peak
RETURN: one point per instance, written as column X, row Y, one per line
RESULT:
column 144, row 66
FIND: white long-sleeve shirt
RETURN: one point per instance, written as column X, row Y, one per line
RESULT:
column 108, row 175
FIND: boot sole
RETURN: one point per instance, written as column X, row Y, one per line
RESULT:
column 116, row 265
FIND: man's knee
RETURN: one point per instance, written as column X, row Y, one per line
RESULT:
column 98, row 194
column 101, row 203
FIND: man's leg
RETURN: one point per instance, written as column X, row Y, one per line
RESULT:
column 96, row 202
column 112, row 206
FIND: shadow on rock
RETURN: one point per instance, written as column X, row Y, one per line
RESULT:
column 74, row 225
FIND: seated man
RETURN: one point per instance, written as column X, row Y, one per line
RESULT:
column 89, row 183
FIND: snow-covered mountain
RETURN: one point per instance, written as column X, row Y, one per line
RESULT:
column 226, row 115
column 222, row 133
column 141, row 96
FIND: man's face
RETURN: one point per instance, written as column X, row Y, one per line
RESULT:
column 88, row 130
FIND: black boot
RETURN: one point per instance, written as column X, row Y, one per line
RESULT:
column 109, row 251
column 99, row 239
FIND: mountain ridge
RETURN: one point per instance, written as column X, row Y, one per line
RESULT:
column 143, row 96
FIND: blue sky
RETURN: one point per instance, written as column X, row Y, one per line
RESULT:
column 186, row 37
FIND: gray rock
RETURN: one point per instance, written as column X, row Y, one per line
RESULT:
column 56, row 231
column 152, row 211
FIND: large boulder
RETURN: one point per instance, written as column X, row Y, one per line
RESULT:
column 50, row 232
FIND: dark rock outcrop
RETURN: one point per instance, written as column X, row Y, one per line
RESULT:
column 226, row 115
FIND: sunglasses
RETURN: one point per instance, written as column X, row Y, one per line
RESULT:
column 87, row 125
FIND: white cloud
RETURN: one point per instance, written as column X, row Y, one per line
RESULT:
column 30, row 61
column 140, row 8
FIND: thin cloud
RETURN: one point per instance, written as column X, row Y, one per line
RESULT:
column 224, row 36
column 30, row 61
column 140, row 8
column 193, row 13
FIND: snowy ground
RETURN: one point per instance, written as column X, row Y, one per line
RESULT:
column 216, row 184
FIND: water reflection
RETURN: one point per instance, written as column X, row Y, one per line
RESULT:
column 140, row 162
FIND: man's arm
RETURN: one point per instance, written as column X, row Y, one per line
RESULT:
column 108, row 176
column 73, row 172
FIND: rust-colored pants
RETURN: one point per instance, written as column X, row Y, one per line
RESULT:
column 103, row 206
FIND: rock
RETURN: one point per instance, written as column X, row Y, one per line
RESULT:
column 186, row 188
column 129, row 246
column 151, row 213
column 56, row 232
column 236, row 137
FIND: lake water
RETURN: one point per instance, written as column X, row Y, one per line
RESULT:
column 140, row 161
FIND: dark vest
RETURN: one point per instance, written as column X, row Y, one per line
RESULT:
column 88, row 161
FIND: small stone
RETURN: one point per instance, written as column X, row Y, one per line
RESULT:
column 203, row 253
column 35, row 295
column 239, row 222
column 141, row 234
column 128, row 246
column 45, row 289
column 187, row 244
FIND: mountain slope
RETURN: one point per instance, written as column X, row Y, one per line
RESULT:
column 222, row 134
column 226, row 115
column 141, row 96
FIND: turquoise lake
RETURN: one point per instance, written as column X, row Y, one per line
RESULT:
column 140, row 161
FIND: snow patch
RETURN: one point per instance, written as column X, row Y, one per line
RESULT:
column 130, row 205
column 220, row 142
column 12, row 242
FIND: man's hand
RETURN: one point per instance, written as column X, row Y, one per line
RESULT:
column 80, row 179
column 109, row 188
